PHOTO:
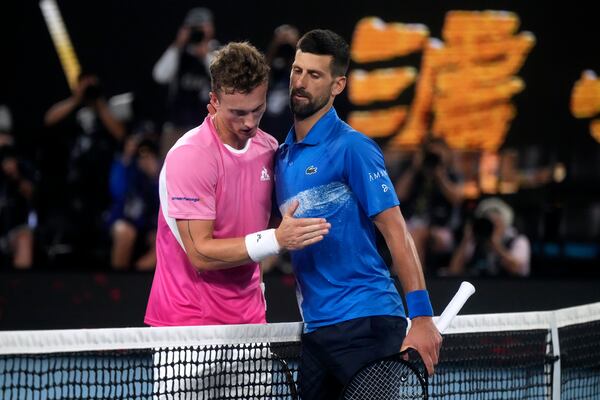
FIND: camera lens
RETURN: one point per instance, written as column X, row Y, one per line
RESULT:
column 196, row 36
column 431, row 159
column 483, row 228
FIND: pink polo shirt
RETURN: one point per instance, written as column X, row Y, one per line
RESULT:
column 204, row 179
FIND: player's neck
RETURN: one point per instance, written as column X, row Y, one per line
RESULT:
column 303, row 126
column 227, row 137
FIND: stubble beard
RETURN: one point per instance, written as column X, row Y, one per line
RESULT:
column 303, row 111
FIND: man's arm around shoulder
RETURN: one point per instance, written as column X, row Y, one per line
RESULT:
column 207, row 253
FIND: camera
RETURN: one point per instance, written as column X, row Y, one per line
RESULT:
column 7, row 152
column 92, row 92
column 196, row 36
column 483, row 228
column 431, row 159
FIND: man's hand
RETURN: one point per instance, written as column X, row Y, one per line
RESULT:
column 297, row 233
column 183, row 35
column 84, row 83
column 439, row 173
column 417, row 160
column 10, row 168
column 425, row 338
column 499, row 229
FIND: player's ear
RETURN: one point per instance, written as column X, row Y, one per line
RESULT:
column 339, row 84
column 214, row 100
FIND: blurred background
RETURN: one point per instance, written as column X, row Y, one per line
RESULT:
column 488, row 114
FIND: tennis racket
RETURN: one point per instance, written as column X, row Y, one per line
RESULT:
column 284, row 384
column 393, row 377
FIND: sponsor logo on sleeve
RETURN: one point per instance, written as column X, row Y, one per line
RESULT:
column 373, row 176
column 185, row 198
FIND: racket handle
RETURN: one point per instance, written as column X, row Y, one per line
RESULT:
column 458, row 301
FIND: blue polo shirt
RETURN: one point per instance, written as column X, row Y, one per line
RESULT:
column 339, row 174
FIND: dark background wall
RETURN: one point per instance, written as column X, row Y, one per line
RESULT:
column 121, row 40
column 100, row 300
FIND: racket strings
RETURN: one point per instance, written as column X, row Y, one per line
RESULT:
column 389, row 380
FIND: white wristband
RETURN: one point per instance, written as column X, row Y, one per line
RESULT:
column 262, row 244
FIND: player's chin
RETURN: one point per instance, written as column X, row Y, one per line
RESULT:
column 248, row 133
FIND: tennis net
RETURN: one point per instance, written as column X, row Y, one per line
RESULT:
column 541, row 355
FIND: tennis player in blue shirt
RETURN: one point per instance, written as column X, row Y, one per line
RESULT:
column 352, row 311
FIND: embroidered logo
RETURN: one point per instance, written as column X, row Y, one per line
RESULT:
column 311, row 170
column 264, row 176
column 385, row 188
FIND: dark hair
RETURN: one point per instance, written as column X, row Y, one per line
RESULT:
column 238, row 67
column 327, row 43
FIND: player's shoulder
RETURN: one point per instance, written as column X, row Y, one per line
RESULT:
column 266, row 140
column 198, row 143
column 350, row 138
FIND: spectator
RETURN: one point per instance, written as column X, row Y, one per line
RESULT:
column 184, row 67
column 16, row 194
column 278, row 117
column 134, row 188
column 280, row 56
column 491, row 245
column 88, row 127
column 430, row 193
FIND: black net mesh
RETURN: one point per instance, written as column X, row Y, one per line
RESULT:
column 494, row 365
column 88, row 375
column 241, row 371
column 506, row 364
column 580, row 361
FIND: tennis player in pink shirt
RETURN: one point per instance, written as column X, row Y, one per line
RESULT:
column 215, row 195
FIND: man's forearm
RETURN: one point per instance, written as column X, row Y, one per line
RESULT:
column 216, row 254
column 457, row 263
column 207, row 253
column 406, row 263
column 450, row 190
column 60, row 111
column 508, row 262
column 404, row 184
column 113, row 125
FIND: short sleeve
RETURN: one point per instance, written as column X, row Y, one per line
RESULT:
column 521, row 251
column 191, row 174
column 367, row 176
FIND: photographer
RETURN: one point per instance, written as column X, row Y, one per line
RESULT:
column 280, row 56
column 16, row 194
column 82, row 137
column 184, row 67
column 491, row 245
column 430, row 193
column 87, row 101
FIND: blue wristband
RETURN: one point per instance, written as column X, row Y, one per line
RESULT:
column 418, row 304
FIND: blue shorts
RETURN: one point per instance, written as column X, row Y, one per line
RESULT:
column 331, row 355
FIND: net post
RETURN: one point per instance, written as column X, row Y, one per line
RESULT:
column 556, row 375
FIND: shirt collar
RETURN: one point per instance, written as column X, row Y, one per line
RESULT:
column 318, row 132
